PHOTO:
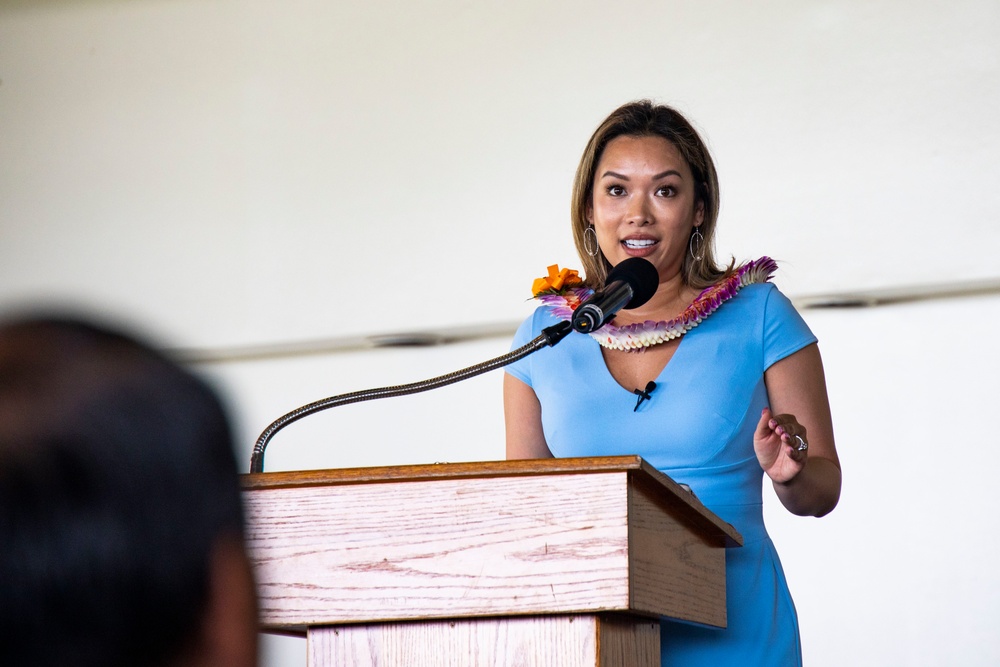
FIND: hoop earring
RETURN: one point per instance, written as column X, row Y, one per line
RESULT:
column 697, row 241
column 591, row 248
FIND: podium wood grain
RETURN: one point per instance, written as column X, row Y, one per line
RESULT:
column 537, row 641
column 493, row 539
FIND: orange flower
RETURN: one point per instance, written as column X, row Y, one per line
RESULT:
column 556, row 280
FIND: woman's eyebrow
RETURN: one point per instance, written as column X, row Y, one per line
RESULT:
column 668, row 172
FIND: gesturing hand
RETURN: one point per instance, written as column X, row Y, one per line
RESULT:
column 780, row 445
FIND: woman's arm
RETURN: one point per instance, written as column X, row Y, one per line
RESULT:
column 807, row 482
column 523, row 421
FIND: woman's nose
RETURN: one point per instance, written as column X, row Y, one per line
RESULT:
column 638, row 212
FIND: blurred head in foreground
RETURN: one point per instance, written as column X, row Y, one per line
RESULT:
column 121, row 528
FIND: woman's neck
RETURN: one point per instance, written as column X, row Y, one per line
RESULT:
column 670, row 299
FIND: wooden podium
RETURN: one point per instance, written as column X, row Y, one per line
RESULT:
column 547, row 562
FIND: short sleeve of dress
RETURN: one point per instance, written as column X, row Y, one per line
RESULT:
column 785, row 332
column 525, row 333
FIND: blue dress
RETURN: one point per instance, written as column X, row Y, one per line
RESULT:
column 697, row 428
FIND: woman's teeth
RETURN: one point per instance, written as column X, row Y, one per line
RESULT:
column 638, row 243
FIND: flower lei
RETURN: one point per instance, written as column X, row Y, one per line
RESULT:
column 563, row 291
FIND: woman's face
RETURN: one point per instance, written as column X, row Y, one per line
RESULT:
column 643, row 204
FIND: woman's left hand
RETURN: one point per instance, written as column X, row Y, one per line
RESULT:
column 781, row 446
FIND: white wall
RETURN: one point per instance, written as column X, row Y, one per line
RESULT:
column 239, row 172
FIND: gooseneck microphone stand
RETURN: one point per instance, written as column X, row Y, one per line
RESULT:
column 549, row 337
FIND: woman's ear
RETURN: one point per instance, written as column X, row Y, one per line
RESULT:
column 700, row 210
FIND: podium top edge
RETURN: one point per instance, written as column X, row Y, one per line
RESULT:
column 631, row 465
column 437, row 471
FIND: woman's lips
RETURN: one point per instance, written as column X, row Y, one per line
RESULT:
column 639, row 247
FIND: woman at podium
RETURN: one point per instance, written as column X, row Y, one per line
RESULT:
column 716, row 380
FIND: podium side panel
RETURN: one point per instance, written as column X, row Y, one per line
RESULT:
column 675, row 571
column 624, row 640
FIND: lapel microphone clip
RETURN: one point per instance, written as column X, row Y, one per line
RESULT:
column 643, row 394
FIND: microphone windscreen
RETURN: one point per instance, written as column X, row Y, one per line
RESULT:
column 640, row 275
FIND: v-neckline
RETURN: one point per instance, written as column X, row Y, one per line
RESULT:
column 658, row 379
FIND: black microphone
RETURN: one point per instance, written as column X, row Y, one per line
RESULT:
column 629, row 285
column 643, row 394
